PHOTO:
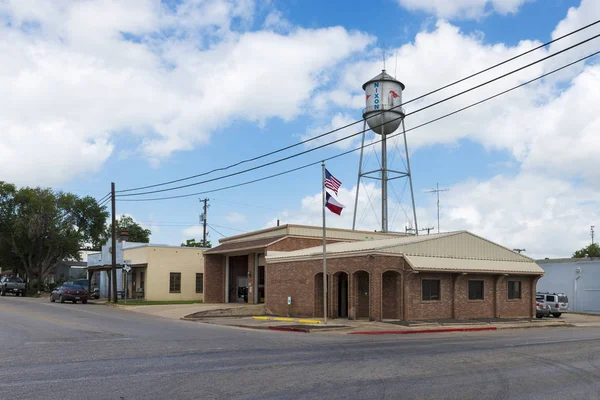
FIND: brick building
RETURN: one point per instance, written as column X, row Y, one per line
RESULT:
column 373, row 275
column 239, row 261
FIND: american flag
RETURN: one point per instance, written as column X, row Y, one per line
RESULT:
column 331, row 182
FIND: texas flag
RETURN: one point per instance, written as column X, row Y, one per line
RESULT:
column 333, row 205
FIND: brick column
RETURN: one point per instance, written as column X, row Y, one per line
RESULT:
column 351, row 296
column 407, row 278
column 534, row 281
column 251, row 277
column 454, row 302
column 375, row 296
column 497, row 296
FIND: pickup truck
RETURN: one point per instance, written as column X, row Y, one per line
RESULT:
column 15, row 286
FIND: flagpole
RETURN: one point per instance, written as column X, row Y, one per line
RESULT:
column 324, row 249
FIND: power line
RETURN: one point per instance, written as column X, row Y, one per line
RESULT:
column 372, row 116
column 216, row 230
column 373, row 143
column 106, row 196
column 362, row 131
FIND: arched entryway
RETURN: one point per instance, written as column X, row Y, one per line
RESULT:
column 341, row 295
column 361, row 294
column 391, row 295
column 318, row 298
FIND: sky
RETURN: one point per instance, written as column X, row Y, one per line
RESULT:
column 147, row 91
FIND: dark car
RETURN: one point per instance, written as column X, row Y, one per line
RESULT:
column 95, row 293
column 72, row 293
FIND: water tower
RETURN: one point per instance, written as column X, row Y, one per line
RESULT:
column 384, row 115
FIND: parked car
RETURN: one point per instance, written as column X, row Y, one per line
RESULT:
column 95, row 293
column 558, row 302
column 541, row 308
column 72, row 293
column 14, row 285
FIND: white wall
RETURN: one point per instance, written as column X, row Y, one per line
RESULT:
column 579, row 280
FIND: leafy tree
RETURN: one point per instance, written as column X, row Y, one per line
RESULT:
column 136, row 232
column 593, row 250
column 193, row 243
column 40, row 227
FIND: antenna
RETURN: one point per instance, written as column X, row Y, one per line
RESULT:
column 396, row 67
column 383, row 54
column 592, row 232
column 519, row 250
column 437, row 191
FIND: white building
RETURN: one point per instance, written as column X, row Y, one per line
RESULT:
column 578, row 278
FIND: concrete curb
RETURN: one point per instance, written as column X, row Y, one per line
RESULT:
column 288, row 329
column 407, row 332
column 287, row 319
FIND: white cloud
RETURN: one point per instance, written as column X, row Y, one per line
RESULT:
column 195, row 232
column 75, row 75
column 368, row 216
column 338, row 121
column 235, row 218
column 463, row 9
column 548, row 217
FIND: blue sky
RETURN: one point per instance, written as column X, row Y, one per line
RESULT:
column 146, row 92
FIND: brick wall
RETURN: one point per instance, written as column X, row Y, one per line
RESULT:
column 514, row 308
column 417, row 309
column 214, row 278
column 297, row 279
column 465, row 308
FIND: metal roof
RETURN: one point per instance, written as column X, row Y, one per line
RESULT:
column 383, row 76
column 459, row 245
column 238, row 246
column 422, row 263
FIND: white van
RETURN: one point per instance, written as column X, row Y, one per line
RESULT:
column 558, row 302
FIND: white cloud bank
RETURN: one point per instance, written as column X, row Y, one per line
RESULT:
column 463, row 9
column 76, row 75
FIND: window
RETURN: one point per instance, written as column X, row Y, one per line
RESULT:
column 199, row 283
column 514, row 290
column 175, row 282
column 475, row 290
column 430, row 289
column 563, row 299
column 550, row 299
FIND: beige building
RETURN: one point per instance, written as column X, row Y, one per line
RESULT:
column 158, row 272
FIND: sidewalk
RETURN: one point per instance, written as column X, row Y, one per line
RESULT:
column 344, row 326
column 179, row 311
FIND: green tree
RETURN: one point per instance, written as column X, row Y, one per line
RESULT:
column 193, row 243
column 593, row 250
column 40, row 227
column 136, row 232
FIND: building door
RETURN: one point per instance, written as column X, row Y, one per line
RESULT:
column 342, row 289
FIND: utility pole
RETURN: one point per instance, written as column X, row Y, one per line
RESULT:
column 203, row 220
column 114, row 243
column 429, row 229
column 519, row 250
column 592, row 232
column 437, row 191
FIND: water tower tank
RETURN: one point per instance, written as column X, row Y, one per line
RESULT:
column 382, row 93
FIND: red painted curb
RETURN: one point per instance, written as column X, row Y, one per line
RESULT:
column 285, row 329
column 491, row 328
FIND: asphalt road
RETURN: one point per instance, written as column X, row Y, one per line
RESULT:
column 93, row 352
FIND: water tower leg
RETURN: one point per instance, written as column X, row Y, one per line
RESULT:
column 362, row 148
column 384, row 182
column 412, row 193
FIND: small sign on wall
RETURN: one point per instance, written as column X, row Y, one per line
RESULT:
column 289, row 300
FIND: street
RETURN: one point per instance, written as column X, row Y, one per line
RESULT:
column 100, row 352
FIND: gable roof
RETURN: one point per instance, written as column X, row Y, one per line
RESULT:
column 460, row 245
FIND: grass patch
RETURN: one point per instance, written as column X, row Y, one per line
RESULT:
column 156, row 303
